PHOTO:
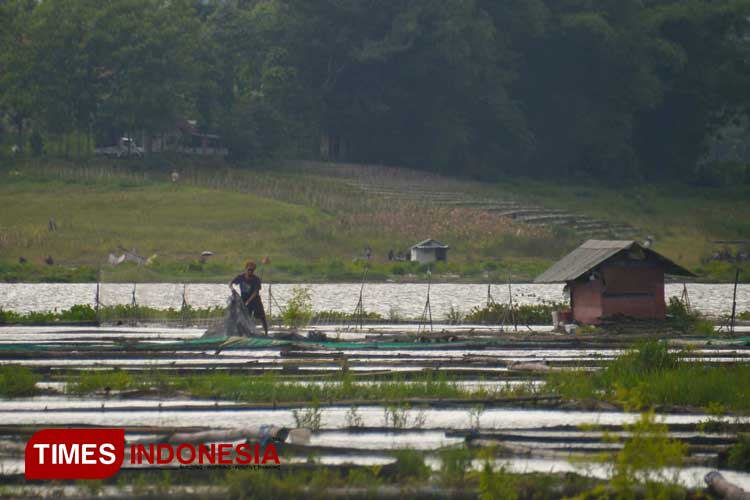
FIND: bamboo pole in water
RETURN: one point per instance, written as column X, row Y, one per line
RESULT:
column 734, row 300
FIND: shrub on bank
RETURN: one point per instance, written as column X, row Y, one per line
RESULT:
column 76, row 314
column 739, row 454
column 685, row 320
column 298, row 311
column 536, row 314
column 650, row 374
column 88, row 382
column 341, row 317
column 112, row 314
column 17, row 381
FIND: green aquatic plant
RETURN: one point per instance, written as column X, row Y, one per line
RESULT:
column 17, row 381
column 136, row 313
column 588, row 330
column 247, row 484
column 298, row 311
column 646, row 357
column 353, row 418
column 649, row 458
column 680, row 317
column 454, row 316
column 396, row 416
column 366, row 478
column 475, row 415
column 89, row 381
column 573, row 384
column 309, row 418
column 341, row 317
column 93, row 487
column 76, row 314
column 410, row 466
column 714, row 423
column 739, row 454
column 495, row 482
column 651, row 374
column 271, row 387
column 524, row 314
column 395, row 315
column 454, row 465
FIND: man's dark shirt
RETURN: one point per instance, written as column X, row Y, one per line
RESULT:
column 248, row 286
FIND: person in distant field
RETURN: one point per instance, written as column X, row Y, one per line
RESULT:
column 250, row 287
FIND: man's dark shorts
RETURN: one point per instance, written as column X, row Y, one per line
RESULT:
column 255, row 308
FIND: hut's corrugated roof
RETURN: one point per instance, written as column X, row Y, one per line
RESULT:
column 594, row 252
column 429, row 243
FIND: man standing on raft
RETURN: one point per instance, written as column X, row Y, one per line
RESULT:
column 250, row 292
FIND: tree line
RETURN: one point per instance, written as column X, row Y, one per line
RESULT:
column 616, row 89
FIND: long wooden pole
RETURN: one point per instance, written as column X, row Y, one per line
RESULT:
column 510, row 305
column 734, row 300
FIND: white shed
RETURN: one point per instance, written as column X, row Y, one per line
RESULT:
column 428, row 251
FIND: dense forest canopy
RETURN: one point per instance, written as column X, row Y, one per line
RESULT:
column 618, row 89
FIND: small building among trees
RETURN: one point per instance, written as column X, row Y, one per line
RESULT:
column 428, row 251
column 607, row 278
column 186, row 138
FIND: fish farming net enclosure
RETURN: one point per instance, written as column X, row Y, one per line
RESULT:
column 120, row 303
column 204, row 305
column 146, row 301
column 142, row 301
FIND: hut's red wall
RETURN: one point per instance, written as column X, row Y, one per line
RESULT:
column 634, row 291
column 586, row 299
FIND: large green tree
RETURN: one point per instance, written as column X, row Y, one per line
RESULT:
column 145, row 54
column 16, row 56
column 704, row 86
column 124, row 65
column 63, row 71
column 612, row 89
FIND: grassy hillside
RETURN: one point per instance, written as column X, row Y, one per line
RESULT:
column 311, row 228
column 685, row 221
column 313, row 221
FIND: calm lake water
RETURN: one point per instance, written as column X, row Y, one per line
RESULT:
column 407, row 299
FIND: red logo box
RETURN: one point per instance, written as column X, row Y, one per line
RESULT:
column 75, row 453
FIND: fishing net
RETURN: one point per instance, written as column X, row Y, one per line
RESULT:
column 133, row 294
column 145, row 300
column 236, row 323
